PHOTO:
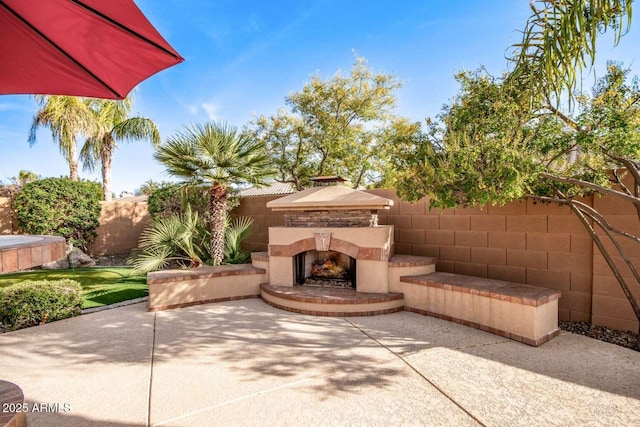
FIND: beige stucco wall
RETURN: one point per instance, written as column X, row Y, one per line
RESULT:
column 184, row 292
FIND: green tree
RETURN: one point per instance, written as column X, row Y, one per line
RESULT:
column 219, row 156
column 66, row 117
column 24, row 177
column 504, row 139
column 333, row 128
column 113, row 124
column 490, row 146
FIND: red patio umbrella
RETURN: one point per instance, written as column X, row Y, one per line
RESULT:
column 94, row 48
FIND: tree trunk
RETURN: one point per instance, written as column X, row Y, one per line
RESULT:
column 105, row 154
column 73, row 161
column 73, row 171
column 218, row 210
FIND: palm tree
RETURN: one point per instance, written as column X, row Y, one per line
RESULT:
column 67, row 117
column 24, row 177
column 559, row 41
column 219, row 156
column 112, row 125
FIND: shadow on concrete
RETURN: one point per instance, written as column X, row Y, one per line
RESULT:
column 254, row 341
column 69, row 419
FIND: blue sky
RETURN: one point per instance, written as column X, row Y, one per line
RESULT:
column 242, row 58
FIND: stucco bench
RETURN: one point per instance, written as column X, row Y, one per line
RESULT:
column 525, row 313
column 183, row 288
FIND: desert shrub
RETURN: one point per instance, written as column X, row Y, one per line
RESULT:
column 60, row 207
column 184, row 240
column 37, row 302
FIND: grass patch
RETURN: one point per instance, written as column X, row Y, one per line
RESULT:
column 100, row 285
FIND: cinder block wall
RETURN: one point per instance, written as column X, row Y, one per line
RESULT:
column 256, row 208
column 610, row 305
column 524, row 242
column 121, row 223
column 537, row 244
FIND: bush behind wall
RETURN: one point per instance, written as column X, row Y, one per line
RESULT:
column 60, row 207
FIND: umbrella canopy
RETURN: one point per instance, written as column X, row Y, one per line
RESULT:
column 93, row 48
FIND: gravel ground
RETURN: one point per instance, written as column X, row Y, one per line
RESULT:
column 625, row 339
column 115, row 260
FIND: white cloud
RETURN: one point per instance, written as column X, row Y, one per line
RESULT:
column 211, row 109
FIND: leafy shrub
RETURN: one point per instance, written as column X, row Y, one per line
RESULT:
column 61, row 207
column 170, row 199
column 37, row 302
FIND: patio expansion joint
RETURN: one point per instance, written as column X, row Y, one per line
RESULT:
column 153, row 353
column 420, row 374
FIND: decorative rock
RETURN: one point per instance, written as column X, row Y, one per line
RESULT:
column 75, row 258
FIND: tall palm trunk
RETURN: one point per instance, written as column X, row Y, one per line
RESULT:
column 73, row 160
column 106, row 157
column 218, row 210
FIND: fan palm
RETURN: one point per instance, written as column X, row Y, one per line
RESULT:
column 113, row 125
column 235, row 232
column 180, row 238
column 66, row 117
column 219, row 156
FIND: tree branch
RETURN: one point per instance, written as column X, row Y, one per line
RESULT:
column 607, row 257
column 586, row 184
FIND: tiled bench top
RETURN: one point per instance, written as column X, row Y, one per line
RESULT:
column 166, row 276
column 399, row 260
column 498, row 289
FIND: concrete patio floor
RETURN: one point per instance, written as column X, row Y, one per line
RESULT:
column 246, row 363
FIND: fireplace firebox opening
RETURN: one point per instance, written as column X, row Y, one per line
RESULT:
column 327, row 269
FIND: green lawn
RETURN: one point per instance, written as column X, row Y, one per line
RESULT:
column 101, row 285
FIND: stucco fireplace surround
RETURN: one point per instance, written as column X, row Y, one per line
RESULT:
column 331, row 223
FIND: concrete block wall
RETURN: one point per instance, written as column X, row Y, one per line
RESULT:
column 256, row 208
column 121, row 223
column 524, row 242
column 610, row 305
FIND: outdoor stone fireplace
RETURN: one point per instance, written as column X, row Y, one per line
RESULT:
column 331, row 238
